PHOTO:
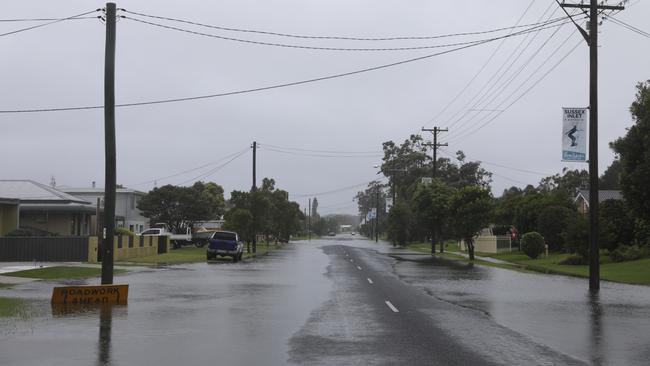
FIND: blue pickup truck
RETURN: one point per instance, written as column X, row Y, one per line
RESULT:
column 225, row 244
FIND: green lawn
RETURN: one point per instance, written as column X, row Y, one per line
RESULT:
column 191, row 254
column 10, row 306
column 53, row 273
column 633, row 272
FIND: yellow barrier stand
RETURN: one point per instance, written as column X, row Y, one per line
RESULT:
column 90, row 295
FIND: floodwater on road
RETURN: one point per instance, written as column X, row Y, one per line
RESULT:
column 608, row 328
column 229, row 314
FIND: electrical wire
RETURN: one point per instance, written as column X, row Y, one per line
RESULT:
column 46, row 24
column 276, row 86
column 489, row 82
column 212, row 171
column 636, row 30
column 336, row 190
column 42, row 19
column 450, row 154
column 187, row 171
column 491, row 173
column 487, row 62
column 399, row 38
column 321, row 151
column 283, row 45
column 494, row 80
column 503, row 87
column 521, row 96
column 321, row 155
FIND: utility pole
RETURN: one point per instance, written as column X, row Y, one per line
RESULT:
column 254, row 164
column 309, row 220
column 435, row 146
column 109, row 141
column 435, row 132
column 592, row 41
column 253, row 189
column 377, row 215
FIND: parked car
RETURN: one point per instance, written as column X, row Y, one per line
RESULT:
column 177, row 239
column 331, row 233
column 225, row 244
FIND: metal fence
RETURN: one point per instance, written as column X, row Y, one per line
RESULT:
column 46, row 249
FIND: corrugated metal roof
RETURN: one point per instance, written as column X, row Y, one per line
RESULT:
column 28, row 191
column 99, row 191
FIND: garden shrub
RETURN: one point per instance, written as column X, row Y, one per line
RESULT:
column 123, row 231
column 626, row 253
column 532, row 244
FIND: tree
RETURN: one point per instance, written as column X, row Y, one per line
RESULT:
column 552, row 221
column 471, row 211
column 314, row 208
column 634, row 154
column 616, row 225
column 180, row 207
column 430, row 206
column 399, row 223
column 240, row 220
column 611, row 178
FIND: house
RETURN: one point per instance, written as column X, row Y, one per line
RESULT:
column 582, row 198
column 127, row 214
column 9, row 215
column 44, row 208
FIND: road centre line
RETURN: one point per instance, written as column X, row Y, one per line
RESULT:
column 369, row 281
column 391, row 306
column 359, row 268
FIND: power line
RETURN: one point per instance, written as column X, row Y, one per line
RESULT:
column 46, row 24
column 636, row 30
column 323, row 151
column 488, row 82
column 494, row 80
column 456, row 138
column 320, row 155
column 187, row 171
column 276, row 86
column 16, row 20
column 450, row 154
column 284, row 45
column 454, row 99
column 503, row 87
column 398, row 38
column 335, row 191
column 492, row 173
column 212, row 171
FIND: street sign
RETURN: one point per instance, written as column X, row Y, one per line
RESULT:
column 427, row 180
column 574, row 134
column 90, row 295
column 389, row 203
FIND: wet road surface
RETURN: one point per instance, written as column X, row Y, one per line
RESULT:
column 338, row 301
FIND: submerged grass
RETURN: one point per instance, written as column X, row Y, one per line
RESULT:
column 60, row 272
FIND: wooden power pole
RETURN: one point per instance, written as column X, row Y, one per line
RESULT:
column 592, row 41
column 109, row 138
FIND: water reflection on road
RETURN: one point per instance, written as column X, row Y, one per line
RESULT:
column 609, row 328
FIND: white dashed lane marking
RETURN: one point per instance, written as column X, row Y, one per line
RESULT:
column 391, row 306
column 370, row 281
column 359, row 268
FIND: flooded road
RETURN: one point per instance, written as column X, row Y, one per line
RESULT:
column 336, row 301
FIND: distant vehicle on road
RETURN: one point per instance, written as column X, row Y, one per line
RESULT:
column 177, row 239
column 331, row 233
column 225, row 244
column 354, row 233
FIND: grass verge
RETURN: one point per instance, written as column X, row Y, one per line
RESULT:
column 54, row 273
column 10, row 306
column 191, row 254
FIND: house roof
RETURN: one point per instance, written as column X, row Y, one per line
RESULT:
column 28, row 191
column 97, row 191
column 603, row 195
column 8, row 201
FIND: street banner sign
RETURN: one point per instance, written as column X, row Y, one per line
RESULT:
column 427, row 180
column 574, row 134
column 90, row 295
column 389, row 203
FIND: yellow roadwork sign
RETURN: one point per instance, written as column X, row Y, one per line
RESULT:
column 90, row 295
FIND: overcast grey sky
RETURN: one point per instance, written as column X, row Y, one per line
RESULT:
column 61, row 65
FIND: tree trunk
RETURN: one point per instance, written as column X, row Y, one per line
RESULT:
column 433, row 244
column 470, row 248
column 442, row 245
